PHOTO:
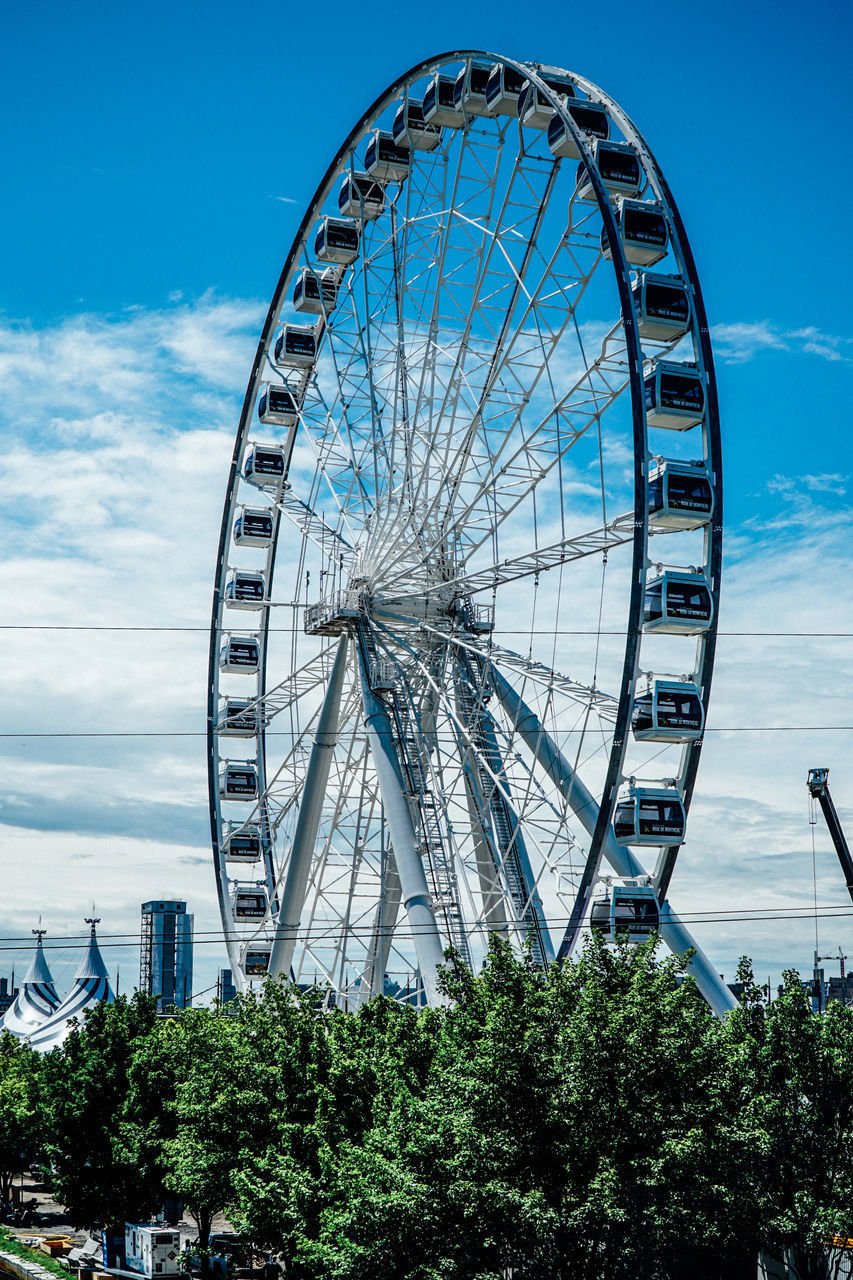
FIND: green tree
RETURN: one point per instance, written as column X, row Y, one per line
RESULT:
column 21, row 1116
column 573, row 1123
column 215, row 1083
column 794, row 1073
column 97, row 1172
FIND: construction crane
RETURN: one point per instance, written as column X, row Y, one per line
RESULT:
column 818, row 785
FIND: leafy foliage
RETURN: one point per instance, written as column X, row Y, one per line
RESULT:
column 593, row 1121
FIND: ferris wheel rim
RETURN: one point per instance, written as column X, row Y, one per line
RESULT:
column 635, row 357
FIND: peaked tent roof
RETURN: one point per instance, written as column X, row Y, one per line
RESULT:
column 37, row 999
column 91, row 986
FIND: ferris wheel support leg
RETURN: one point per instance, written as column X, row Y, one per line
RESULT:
column 413, row 883
column 308, row 821
column 623, row 860
column 383, row 928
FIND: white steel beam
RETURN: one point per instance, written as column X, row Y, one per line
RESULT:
column 623, row 861
column 413, row 883
column 308, row 821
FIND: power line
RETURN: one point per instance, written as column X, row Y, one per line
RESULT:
column 504, row 631
column 287, row 733
column 215, row 937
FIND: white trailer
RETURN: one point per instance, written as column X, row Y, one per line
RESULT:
column 150, row 1251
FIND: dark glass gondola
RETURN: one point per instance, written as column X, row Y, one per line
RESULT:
column 316, row 294
column 384, row 159
column 650, row 816
column 619, row 167
column 239, row 718
column 669, row 711
column 663, row 306
column 502, row 89
column 238, row 780
column 264, row 464
column 411, row 130
column 642, row 226
column 244, row 590
column 337, row 240
column 253, row 527
column 249, row 902
column 240, row 655
column 361, row 197
column 277, row 405
column 678, row 604
column 296, row 346
column 680, row 495
column 440, row 105
column 469, row 92
column 534, row 109
column 242, row 843
column 590, row 117
column 256, row 959
column 627, row 911
column 675, row 395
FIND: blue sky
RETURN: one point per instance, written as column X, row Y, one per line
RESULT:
column 158, row 158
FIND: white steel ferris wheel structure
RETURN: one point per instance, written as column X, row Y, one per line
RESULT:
column 479, row 451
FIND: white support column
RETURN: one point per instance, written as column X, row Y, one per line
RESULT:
column 385, row 920
column 413, row 883
column 308, row 820
column 623, row 860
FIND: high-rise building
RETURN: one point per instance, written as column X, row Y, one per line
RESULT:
column 225, row 988
column 166, row 954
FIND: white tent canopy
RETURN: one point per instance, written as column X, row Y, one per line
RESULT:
column 91, row 985
column 37, row 999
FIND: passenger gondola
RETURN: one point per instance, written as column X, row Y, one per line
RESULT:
column 678, row 603
column 619, row 167
column 439, row 104
column 675, row 395
column 277, row 405
column 238, row 780
column 534, row 109
column 244, row 590
column 239, row 718
column 296, row 346
column 590, row 117
column 316, row 294
column 255, row 960
column 248, row 901
column 663, row 306
column 264, row 464
column 668, row 711
column 502, row 89
column 680, row 495
column 384, row 159
column 627, row 910
column 240, row 655
column 253, row 527
column 411, row 130
column 650, row 816
column 337, row 240
column 242, row 843
column 361, row 197
column 642, row 227
column 469, row 92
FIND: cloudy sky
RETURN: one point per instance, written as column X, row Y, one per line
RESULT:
column 158, row 160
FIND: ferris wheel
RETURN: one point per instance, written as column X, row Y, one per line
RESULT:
column 467, row 584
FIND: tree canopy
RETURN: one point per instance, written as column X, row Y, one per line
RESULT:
column 590, row 1121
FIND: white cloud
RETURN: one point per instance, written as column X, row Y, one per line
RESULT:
column 737, row 343
column 111, row 505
